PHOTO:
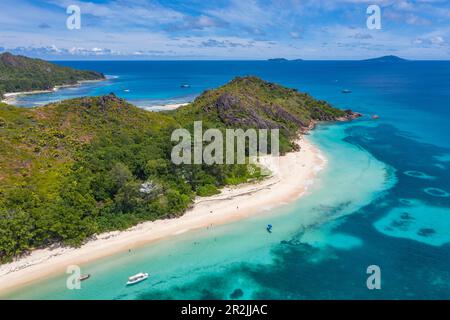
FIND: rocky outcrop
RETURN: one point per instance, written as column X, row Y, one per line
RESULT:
column 350, row 115
column 281, row 115
column 103, row 102
column 233, row 112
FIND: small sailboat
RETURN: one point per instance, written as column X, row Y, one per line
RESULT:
column 85, row 277
column 269, row 228
column 185, row 86
column 137, row 278
column 346, row 91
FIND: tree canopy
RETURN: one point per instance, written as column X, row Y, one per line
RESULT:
column 76, row 168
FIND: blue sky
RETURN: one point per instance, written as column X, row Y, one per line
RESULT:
column 233, row 29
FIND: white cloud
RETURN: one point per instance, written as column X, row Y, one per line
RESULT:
column 295, row 34
column 431, row 41
column 240, row 29
column 248, row 13
column 130, row 13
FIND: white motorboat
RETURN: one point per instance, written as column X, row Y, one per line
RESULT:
column 137, row 278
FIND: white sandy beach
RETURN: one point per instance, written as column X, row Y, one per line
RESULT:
column 9, row 97
column 292, row 175
column 165, row 107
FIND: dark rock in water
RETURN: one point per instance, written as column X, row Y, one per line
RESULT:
column 425, row 232
column 295, row 242
column 400, row 224
column 238, row 293
column 351, row 115
column 406, row 216
column 292, row 242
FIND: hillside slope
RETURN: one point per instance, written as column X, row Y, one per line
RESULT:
column 71, row 169
column 19, row 73
column 250, row 102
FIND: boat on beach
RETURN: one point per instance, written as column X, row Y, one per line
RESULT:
column 137, row 278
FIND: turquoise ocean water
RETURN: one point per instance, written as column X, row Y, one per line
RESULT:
column 383, row 199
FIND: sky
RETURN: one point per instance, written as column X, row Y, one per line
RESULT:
column 219, row 29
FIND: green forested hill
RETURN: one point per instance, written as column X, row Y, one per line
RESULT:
column 19, row 73
column 71, row 169
column 250, row 102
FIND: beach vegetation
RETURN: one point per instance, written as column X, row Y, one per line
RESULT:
column 80, row 167
column 21, row 74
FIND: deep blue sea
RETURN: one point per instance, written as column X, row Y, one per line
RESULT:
column 383, row 199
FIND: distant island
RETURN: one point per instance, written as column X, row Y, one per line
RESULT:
column 282, row 60
column 384, row 59
column 277, row 59
column 390, row 58
column 85, row 166
column 23, row 74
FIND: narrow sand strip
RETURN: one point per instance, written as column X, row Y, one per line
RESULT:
column 165, row 107
column 10, row 97
column 292, row 175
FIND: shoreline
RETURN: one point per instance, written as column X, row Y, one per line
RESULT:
column 292, row 175
column 8, row 97
column 164, row 107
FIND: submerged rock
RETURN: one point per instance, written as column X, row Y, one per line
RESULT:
column 426, row 232
column 238, row 293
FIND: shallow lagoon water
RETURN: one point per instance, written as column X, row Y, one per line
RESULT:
column 419, row 222
column 353, row 217
column 217, row 251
